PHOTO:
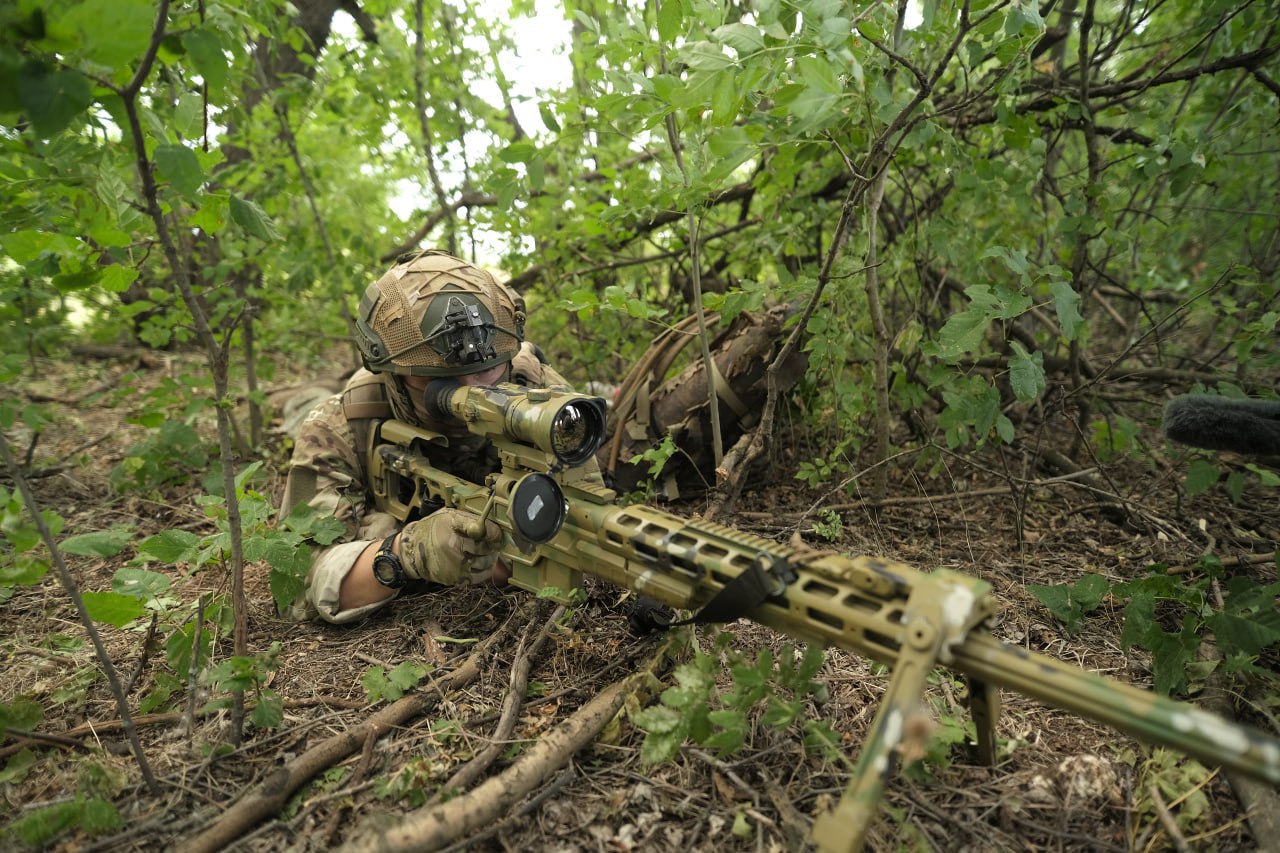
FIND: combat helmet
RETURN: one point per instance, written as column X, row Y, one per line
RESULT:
column 437, row 315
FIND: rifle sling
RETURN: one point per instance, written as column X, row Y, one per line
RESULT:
column 738, row 598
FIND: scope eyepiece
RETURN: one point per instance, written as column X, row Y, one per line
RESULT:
column 437, row 396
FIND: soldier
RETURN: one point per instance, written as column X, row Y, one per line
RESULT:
column 429, row 317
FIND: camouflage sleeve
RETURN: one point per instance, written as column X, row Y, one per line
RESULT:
column 325, row 473
column 324, row 469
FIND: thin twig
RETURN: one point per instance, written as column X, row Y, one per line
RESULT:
column 73, row 592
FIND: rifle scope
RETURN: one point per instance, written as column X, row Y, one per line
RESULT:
column 569, row 426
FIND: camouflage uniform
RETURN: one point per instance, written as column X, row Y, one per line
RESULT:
column 327, row 472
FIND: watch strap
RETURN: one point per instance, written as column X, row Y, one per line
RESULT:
column 386, row 553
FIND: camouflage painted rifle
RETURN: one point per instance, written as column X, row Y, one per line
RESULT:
column 561, row 523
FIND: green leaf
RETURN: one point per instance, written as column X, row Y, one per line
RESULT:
column 52, row 99
column 518, row 152
column 15, row 769
column 1246, row 634
column 21, row 713
column 112, row 607
column 724, row 100
column 743, row 38
column 1066, row 302
column 36, row 828
column 1265, row 477
column 1090, row 590
column 817, row 103
column 140, row 583
column 1014, row 259
column 116, row 278
column 109, row 32
column 657, row 748
column 1023, row 16
column 1057, row 599
column 103, row 543
column 963, row 332
column 704, row 56
column 660, row 719
column 9, row 71
column 98, row 815
column 172, row 546
column 670, row 20
column 269, row 712
column 1201, row 476
column 548, row 117
column 1069, row 604
column 726, row 741
column 1170, row 654
column 682, row 698
column 287, row 584
column 253, row 219
column 211, row 216
column 374, row 682
column 309, row 524
column 25, row 246
column 205, row 49
column 179, row 165
column 406, row 675
column 23, row 571
column 1026, row 373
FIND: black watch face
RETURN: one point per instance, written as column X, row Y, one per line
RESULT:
column 386, row 568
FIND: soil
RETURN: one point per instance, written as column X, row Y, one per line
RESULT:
column 1061, row 782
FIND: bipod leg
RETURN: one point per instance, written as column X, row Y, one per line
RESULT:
column 844, row 829
column 941, row 608
column 984, row 707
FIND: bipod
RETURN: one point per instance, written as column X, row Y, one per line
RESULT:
column 940, row 610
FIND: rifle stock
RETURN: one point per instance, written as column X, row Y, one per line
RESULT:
column 869, row 606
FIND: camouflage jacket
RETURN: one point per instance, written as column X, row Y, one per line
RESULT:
column 327, row 472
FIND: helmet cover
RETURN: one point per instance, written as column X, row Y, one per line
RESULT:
column 437, row 315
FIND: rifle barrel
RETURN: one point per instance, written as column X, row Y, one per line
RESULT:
column 1145, row 715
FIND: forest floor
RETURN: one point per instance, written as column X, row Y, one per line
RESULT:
column 1061, row 783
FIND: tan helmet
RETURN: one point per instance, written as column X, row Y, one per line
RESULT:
column 436, row 315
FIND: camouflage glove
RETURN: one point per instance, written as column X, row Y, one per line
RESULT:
column 438, row 549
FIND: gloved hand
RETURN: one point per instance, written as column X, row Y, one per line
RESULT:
column 437, row 548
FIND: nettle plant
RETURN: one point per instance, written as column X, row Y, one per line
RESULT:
column 695, row 710
column 282, row 546
column 1168, row 615
column 140, row 595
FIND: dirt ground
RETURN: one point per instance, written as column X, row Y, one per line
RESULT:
column 1061, row 782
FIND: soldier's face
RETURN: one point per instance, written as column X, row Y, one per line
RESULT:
column 492, row 376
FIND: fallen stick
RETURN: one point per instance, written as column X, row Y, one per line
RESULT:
column 517, row 686
column 71, row 738
column 271, row 794
column 437, row 826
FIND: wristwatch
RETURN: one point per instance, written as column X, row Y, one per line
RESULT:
column 386, row 565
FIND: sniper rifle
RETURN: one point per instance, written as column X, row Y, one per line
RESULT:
column 560, row 523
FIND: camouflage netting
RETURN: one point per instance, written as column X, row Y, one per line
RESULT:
column 649, row 407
